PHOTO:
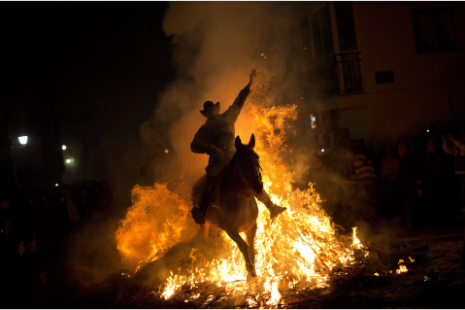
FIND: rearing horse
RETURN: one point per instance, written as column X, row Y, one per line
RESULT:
column 234, row 209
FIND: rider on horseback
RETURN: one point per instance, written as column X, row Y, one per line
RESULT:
column 216, row 138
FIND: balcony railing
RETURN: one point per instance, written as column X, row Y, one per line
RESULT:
column 341, row 74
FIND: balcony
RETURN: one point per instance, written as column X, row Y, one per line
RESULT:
column 341, row 73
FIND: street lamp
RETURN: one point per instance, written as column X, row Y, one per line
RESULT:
column 22, row 140
column 63, row 147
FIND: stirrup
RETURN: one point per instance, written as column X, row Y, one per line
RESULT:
column 198, row 216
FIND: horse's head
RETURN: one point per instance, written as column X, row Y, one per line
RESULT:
column 247, row 160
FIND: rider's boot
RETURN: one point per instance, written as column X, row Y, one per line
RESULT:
column 199, row 214
column 274, row 209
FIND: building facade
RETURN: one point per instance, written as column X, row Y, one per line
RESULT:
column 384, row 69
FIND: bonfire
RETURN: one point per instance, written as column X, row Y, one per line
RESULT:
column 300, row 250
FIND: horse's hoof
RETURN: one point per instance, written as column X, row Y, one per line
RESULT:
column 276, row 210
column 251, row 278
column 250, row 270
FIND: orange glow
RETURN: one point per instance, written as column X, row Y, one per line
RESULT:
column 300, row 249
column 155, row 222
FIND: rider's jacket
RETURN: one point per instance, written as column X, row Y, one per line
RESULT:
column 218, row 131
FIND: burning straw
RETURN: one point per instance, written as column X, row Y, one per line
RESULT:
column 300, row 250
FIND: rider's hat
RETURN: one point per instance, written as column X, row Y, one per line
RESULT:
column 208, row 106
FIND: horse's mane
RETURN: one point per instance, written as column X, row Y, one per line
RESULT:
column 232, row 162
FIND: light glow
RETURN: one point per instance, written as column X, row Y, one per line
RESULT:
column 313, row 121
column 23, row 140
column 63, row 147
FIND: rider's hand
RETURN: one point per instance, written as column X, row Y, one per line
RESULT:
column 450, row 137
column 252, row 76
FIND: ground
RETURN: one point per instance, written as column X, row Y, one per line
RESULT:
column 436, row 279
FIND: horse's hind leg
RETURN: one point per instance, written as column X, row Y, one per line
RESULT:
column 244, row 249
column 250, row 241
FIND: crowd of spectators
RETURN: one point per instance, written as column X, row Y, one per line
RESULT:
column 416, row 179
column 35, row 224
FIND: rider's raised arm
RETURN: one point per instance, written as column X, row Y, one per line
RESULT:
column 232, row 113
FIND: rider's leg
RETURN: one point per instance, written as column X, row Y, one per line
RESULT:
column 274, row 209
column 205, row 200
column 215, row 165
column 199, row 214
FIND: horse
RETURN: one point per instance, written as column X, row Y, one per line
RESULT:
column 234, row 208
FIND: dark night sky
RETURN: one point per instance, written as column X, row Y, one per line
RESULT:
column 105, row 61
column 69, row 39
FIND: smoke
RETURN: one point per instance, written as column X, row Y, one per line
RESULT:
column 216, row 44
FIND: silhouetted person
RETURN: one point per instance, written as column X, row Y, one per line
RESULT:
column 216, row 138
column 406, row 182
column 72, row 211
column 458, row 151
column 106, row 199
column 432, row 176
column 387, row 182
column 364, row 175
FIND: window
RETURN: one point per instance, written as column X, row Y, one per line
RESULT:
column 322, row 32
column 345, row 25
column 434, row 30
column 304, row 30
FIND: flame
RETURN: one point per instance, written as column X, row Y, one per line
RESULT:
column 172, row 286
column 402, row 267
column 141, row 235
column 356, row 242
column 300, row 249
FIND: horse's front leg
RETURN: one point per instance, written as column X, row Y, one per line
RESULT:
column 244, row 249
column 251, row 242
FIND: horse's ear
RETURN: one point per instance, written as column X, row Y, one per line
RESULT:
column 252, row 141
column 238, row 142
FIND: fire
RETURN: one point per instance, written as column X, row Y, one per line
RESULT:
column 300, row 249
column 142, row 235
column 402, row 267
column 356, row 242
column 172, row 286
